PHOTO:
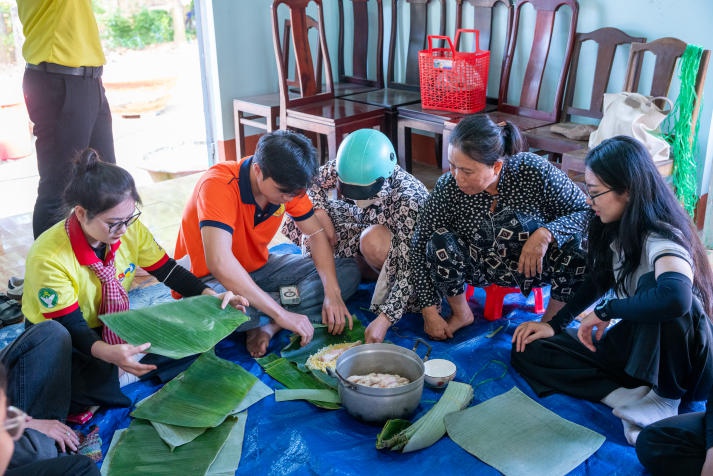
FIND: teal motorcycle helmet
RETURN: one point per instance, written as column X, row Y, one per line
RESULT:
column 365, row 159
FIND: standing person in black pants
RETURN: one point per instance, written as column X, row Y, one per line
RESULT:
column 64, row 95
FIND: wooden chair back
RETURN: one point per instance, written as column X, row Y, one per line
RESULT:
column 537, row 55
column 408, row 38
column 365, row 64
column 608, row 40
column 306, row 86
column 292, row 82
column 482, row 15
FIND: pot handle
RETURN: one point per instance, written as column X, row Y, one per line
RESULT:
column 333, row 373
column 418, row 340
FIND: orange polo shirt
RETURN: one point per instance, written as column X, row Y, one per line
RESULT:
column 223, row 198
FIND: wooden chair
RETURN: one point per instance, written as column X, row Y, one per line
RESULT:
column 607, row 42
column 665, row 54
column 263, row 111
column 363, row 69
column 530, row 111
column 413, row 117
column 315, row 109
column 406, row 40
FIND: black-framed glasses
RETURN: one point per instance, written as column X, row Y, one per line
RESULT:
column 127, row 223
column 592, row 197
column 15, row 422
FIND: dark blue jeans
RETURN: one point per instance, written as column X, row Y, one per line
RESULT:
column 297, row 270
column 39, row 368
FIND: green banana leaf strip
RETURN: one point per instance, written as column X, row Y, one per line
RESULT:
column 228, row 460
column 175, row 436
column 322, row 338
column 202, row 396
column 177, row 329
column 291, row 377
column 324, row 395
column 391, row 432
column 139, row 450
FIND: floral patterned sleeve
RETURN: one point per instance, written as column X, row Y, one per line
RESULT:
column 405, row 213
column 325, row 181
column 565, row 201
column 432, row 216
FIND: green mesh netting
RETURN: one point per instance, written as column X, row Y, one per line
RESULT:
column 677, row 127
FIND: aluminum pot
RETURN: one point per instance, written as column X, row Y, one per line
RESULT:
column 375, row 405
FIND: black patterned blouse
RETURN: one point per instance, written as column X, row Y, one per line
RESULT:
column 530, row 187
column 396, row 207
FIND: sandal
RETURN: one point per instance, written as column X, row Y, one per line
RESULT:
column 10, row 311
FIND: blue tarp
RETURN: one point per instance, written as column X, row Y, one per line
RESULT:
column 295, row 437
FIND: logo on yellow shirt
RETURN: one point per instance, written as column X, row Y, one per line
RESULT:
column 280, row 211
column 48, row 297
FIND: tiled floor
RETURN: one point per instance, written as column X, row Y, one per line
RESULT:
column 162, row 207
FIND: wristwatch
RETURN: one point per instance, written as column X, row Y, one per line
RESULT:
column 601, row 310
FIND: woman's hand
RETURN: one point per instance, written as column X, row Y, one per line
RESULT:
column 434, row 325
column 533, row 252
column 335, row 314
column 584, row 333
column 66, row 439
column 376, row 330
column 123, row 356
column 528, row 332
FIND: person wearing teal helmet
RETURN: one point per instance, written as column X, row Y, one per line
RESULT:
column 367, row 205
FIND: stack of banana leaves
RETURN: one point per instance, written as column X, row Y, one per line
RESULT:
column 196, row 422
column 302, row 381
column 193, row 425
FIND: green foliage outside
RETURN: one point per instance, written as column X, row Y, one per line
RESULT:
column 144, row 28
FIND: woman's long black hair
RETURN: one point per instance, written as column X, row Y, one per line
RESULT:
column 624, row 165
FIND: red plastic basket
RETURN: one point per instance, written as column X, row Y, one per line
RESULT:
column 453, row 80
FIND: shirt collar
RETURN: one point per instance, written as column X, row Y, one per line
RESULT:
column 84, row 253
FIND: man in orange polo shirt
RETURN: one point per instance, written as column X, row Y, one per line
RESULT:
column 234, row 212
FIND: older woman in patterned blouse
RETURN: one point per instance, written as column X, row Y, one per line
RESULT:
column 501, row 215
column 368, row 206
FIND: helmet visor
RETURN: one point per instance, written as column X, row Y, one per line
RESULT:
column 360, row 192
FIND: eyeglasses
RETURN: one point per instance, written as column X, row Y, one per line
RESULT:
column 592, row 197
column 127, row 223
column 15, row 422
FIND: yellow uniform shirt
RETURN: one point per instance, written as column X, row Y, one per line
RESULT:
column 60, row 31
column 57, row 282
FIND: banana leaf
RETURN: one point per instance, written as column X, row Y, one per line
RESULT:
column 324, row 395
column 291, row 377
column 322, row 338
column 228, row 460
column 175, row 436
column 139, row 450
column 202, row 396
column 177, row 329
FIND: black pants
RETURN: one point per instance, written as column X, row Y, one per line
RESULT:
column 674, row 445
column 70, row 113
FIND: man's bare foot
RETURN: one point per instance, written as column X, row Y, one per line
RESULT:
column 257, row 340
column 462, row 316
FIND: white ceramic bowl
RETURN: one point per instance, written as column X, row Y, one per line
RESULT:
column 438, row 372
